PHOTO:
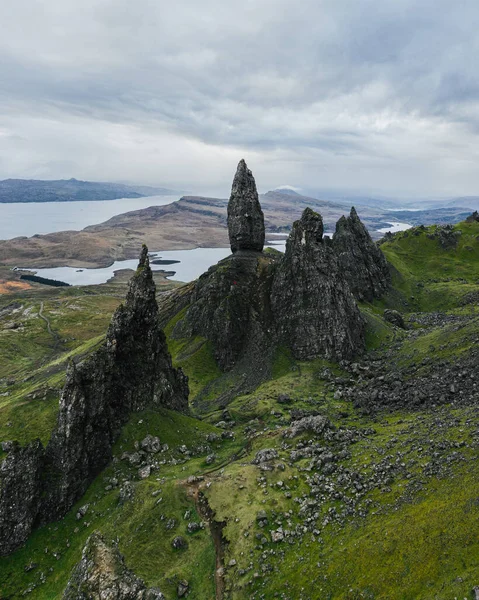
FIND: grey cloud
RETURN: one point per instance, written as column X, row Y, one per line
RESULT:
column 382, row 93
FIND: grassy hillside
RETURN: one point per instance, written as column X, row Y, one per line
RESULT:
column 372, row 506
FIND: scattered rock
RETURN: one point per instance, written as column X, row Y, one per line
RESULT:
column 151, row 444
column 82, row 511
column 316, row 424
column 183, row 588
column 264, row 455
column 179, row 543
column 210, row 459
column 144, row 472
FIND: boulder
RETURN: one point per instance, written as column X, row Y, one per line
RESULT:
column 394, row 317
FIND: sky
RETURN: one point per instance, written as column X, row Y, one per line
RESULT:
column 370, row 96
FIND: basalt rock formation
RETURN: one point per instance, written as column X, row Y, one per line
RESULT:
column 314, row 311
column 252, row 301
column 131, row 371
column 20, row 491
column 245, row 217
column 473, row 218
column 102, row 574
column 229, row 305
column 362, row 263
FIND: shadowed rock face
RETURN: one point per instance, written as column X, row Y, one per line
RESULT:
column 362, row 263
column 230, row 307
column 314, row 311
column 20, row 492
column 102, row 574
column 245, row 217
column 229, row 304
column 131, row 371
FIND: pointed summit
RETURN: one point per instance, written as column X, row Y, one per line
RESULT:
column 144, row 261
column 245, row 217
column 141, row 287
column 361, row 261
column 353, row 215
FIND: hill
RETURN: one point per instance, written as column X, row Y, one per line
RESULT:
column 71, row 190
column 294, row 476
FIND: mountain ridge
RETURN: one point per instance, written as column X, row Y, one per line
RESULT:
column 72, row 190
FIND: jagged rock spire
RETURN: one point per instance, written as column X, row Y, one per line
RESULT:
column 245, row 217
column 131, row 371
column 314, row 310
column 361, row 261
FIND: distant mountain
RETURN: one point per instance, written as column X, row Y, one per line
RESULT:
column 71, row 190
column 471, row 202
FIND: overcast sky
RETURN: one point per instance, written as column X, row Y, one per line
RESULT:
column 372, row 95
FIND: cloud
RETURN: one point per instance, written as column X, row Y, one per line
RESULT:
column 366, row 95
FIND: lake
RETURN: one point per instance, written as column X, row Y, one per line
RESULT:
column 192, row 263
column 28, row 218
column 394, row 227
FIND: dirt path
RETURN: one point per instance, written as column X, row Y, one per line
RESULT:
column 216, row 530
column 55, row 336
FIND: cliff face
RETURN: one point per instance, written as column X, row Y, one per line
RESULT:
column 20, row 492
column 361, row 262
column 230, row 307
column 131, row 371
column 314, row 311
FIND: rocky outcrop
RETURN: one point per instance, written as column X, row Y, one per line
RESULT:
column 231, row 308
column 362, row 263
column 314, row 311
column 446, row 235
column 20, row 492
column 131, row 371
column 102, row 574
column 473, row 218
column 230, row 303
column 245, row 217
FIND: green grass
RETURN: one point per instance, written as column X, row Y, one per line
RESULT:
column 428, row 276
column 412, row 542
column 139, row 525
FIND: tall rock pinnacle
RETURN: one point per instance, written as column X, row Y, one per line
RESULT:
column 245, row 217
column 361, row 262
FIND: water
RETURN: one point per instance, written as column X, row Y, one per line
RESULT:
column 192, row 264
column 28, row 218
column 395, row 227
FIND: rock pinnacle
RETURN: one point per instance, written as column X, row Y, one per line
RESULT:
column 245, row 217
